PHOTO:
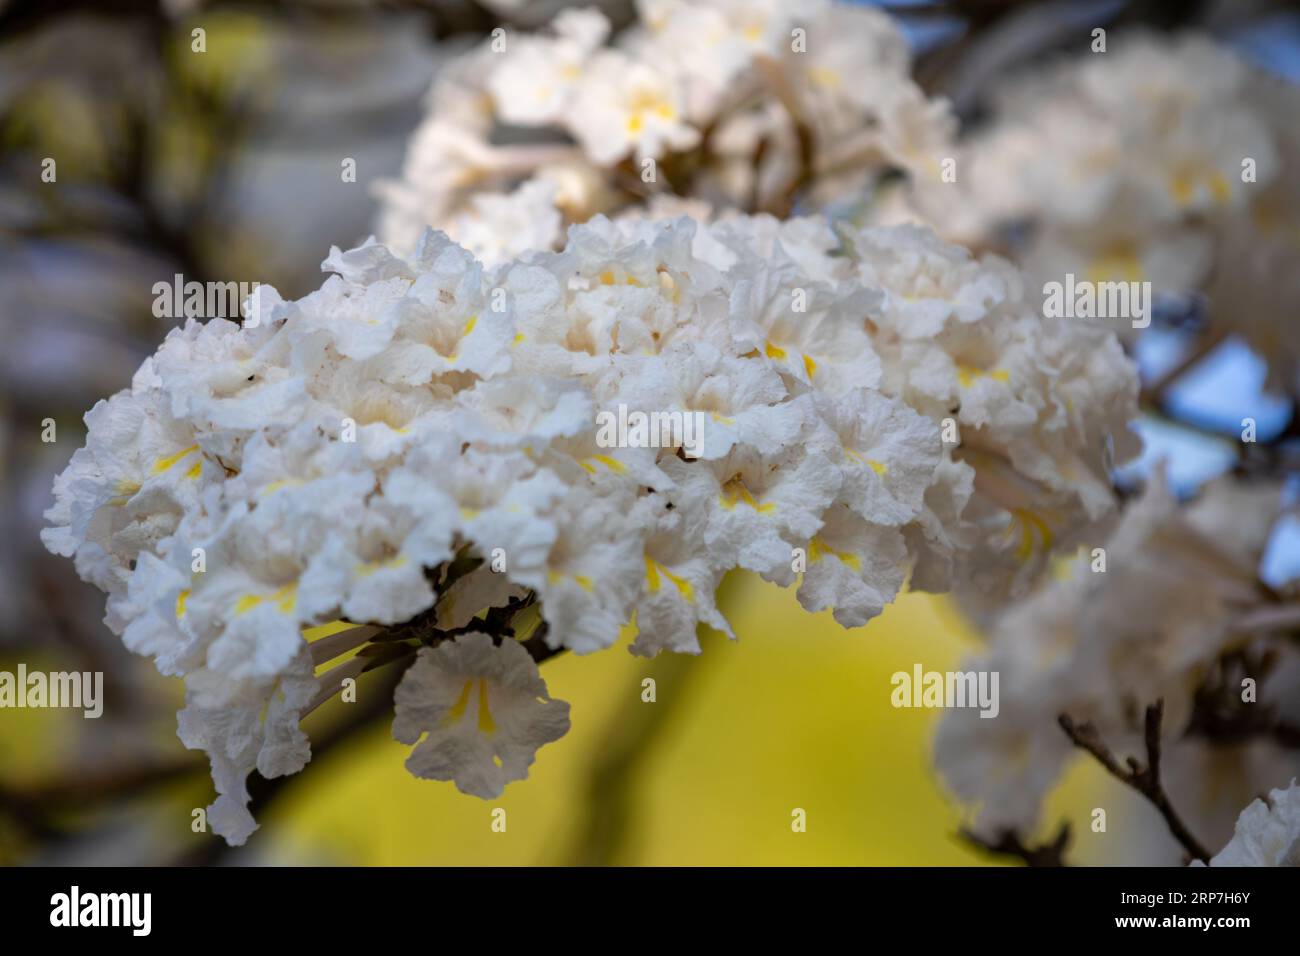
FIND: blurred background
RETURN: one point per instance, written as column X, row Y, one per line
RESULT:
column 226, row 166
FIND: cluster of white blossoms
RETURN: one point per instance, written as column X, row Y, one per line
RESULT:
column 1174, row 591
column 1163, row 159
column 876, row 404
column 1168, row 160
column 734, row 103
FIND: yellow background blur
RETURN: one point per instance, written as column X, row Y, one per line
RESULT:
column 795, row 714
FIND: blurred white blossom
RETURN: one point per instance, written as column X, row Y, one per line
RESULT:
column 719, row 101
column 1175, row 594
column 1167, row 160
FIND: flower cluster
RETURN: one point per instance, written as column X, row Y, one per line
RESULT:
column 735, row 104
column 876, row 404
column 1166, row 160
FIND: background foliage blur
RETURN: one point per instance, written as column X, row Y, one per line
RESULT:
column 226, row 166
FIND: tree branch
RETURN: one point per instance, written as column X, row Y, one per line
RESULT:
column 1154, row 392
column 1145, row 780
column 783, row 206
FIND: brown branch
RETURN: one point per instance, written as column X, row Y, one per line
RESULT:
column 1145, row 780
column 1221, row 718
column 780, row 87
column 1286, row 735
column 104, row 784
column 1154, row 393
column 605, row 829
column 1008, row 843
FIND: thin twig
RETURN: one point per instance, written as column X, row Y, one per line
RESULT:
column 1145, row 780
column 1223, row 719
column 1154, row 392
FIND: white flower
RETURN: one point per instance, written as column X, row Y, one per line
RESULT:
column 435, row 316
column 940, row 539
column 521, row 411
column 928, row 283
column 497, row 228
column 814, row 333
column 765, row 25
column 853, row 567
column 477, row 714
column 628, row 107
column 699, row 46
column 917, row 134
column 760, row 508
column 1267, row 833
column 681, row 578
column 737, row 401
column 256, row 728
column 610, row 292
column 1005, row 767
column 1155, row 132
column 886, row 453
column 537, row 80
column 854, row 59
column 592, row 571
column 128, row 487
column 451, row 157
